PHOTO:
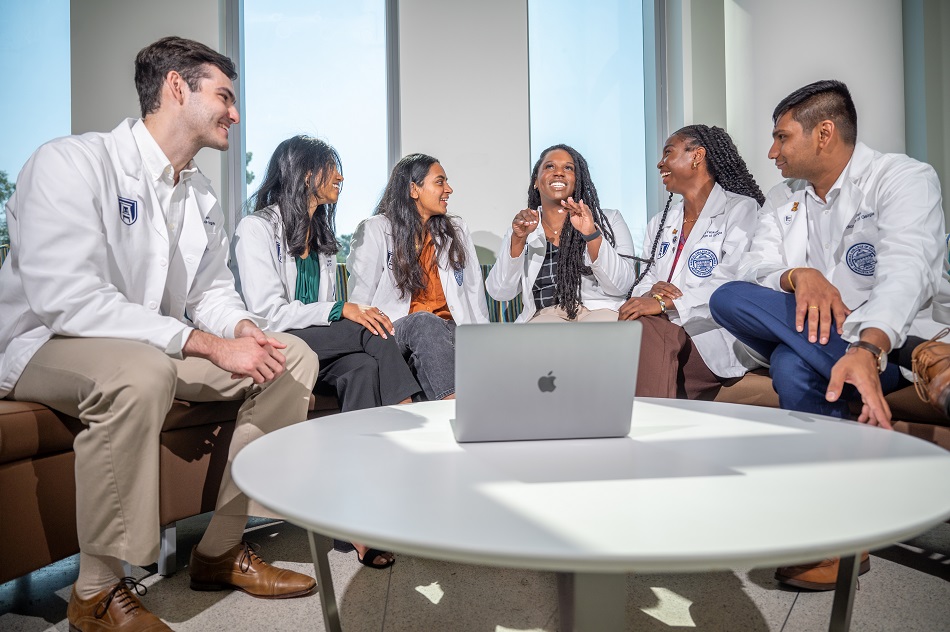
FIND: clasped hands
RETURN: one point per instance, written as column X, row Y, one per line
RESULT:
column 648, row 305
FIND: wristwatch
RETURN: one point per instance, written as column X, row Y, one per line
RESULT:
column 876, row 351
column 594, row 235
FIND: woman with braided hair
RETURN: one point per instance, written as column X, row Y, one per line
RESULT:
column 693, row 247
column 569, row 259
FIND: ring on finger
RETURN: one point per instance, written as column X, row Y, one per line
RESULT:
column 812, row 307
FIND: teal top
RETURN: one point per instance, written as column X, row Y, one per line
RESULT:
column 308, row 285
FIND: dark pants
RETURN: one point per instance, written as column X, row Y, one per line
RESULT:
column 428, row 343
column 364, row 369
column 764, row 320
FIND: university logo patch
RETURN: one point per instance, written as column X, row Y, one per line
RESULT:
column 389, row 259
column 862, row 259
column 663, row 248
column 128, row 210
column 702, row 262
column 459, row 276
column 280, row 255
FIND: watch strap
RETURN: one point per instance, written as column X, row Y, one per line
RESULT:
column 876, row 351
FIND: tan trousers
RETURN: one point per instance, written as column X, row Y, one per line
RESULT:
column 556, row 314
column 122, row 390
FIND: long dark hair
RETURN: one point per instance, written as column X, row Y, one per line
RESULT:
column 408, row 230
column 571, row 248
column 286, row 185
column 724, row 164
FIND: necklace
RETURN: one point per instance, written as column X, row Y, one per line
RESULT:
column 689, row 221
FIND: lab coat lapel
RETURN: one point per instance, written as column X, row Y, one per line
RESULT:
column 851, row 197
column 134, row 181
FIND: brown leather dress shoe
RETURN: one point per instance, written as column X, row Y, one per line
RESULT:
column 117, row 608
column 818, row 575
column 241, row 568
column 931, row 365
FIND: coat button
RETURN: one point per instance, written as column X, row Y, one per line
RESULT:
column 153, row 305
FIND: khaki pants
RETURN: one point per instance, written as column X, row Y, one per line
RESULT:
column 122, row 390
column 556, row 314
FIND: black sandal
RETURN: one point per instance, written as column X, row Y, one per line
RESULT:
column 370, row 559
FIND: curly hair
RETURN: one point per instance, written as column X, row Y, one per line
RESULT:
column 572, row 246
column 725, row 166
column 408, row 230
column 286, row 186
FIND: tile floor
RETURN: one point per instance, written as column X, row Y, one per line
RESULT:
column 907, row 589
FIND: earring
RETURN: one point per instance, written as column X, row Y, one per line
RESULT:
column 695, row 164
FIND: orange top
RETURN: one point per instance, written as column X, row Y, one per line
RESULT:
column 431, row 298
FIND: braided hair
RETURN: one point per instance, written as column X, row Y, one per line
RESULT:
column 570, row 265
column 408, row 230
column 725, row 166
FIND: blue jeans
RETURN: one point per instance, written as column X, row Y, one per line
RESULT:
column 764, row 320
column 427, row 342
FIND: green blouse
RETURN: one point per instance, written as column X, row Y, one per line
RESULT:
column 308, row 285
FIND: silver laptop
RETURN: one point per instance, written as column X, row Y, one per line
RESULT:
column 545, row 380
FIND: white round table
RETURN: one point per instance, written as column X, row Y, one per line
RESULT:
column 695, row 486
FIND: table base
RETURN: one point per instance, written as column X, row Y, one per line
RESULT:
column 586, row 601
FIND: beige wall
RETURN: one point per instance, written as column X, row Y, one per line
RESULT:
column 464, row 99
column 774, row 47
column 105, row 37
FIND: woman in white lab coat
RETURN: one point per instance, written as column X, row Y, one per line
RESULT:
column 694, row 247
column 418, row 265
column 569, row 259
column 286, row 256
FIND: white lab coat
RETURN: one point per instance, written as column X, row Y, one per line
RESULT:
column 90, row 255
column 606, row 289
column 720, row 235
column 268, row 275
column 888, row 244
column 371, row 279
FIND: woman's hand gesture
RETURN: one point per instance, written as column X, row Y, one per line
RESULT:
column 370, row 317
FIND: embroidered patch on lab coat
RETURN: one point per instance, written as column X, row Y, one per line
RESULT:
column 862, row 259
column 663, row 248
column 459, row 276
column 702, row 262
column 128, row 210
column 280, row 255
column 389, row 259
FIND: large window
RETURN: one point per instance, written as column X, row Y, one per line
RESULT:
column 586, row 85
column 34, row 64
column 318, row 67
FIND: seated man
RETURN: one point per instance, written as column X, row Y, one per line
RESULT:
column 142, row 310
column 848, row 258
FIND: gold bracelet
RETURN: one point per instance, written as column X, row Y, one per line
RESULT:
column 659, row 299
column 790, row 283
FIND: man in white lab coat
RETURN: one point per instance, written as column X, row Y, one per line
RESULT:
column 847, row 260
column 117, row 300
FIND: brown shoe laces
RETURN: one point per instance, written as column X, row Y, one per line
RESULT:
column 921, row 382
column 248, row 555
column 127, row 601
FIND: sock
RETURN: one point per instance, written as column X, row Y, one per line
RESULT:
column 223, row 534
column 97, row 573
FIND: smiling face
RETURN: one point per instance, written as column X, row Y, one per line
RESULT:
column 209, row 111
column 794, row 150
column 328, row 191
column 432, row 196
column 676, row 164
column 556, row 177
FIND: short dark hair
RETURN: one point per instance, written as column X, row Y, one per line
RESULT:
column 187, row 57
column 821, row 101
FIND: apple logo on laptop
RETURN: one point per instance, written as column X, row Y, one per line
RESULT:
column 546, row 382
